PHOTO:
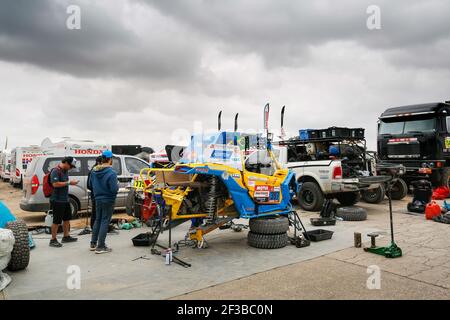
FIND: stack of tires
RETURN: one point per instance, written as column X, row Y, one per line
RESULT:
column 268, row 232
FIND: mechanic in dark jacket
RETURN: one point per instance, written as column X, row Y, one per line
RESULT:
column 105, row 187
column 98, row 161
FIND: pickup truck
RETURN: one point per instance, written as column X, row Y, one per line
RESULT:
column 324, row 179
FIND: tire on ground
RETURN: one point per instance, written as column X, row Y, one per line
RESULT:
column 267, row 241
column 348, row 198
column 310, row 197
column 20, row 256
column 352, row 213
column 399, row 190
column 269, row 225
column 374, row 195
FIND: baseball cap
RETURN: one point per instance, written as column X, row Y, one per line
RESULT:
column 107, row 154
column 71, row 161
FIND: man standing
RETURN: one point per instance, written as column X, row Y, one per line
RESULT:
column 98, row 161
column 59, row 200
column 105, row 187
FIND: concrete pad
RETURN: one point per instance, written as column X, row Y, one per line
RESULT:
column 117, row 276
column 320, row 278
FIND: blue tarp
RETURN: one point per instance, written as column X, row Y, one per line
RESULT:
column 5, row 215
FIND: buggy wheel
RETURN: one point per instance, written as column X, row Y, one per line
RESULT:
column 20, row 256
column 269, row 225
column 267, row 241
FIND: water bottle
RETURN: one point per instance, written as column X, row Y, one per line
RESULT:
column 168, row 256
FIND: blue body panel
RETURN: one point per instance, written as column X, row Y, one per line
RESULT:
column 5, row 215
column 244, row 204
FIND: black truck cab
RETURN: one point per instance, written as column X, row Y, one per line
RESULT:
column 417, row 136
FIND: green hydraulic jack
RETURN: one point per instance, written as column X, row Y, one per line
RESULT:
column 391, row 251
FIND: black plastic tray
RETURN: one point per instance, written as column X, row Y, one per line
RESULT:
column 323, row 221
column 318, row 235
column 142, row 240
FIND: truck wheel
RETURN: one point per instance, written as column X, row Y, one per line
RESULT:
column 267, row 241
column 269, row 225
column 74, row 207
column 20, row 256
column 348, row 198
column 445, row 178
column 310, row 197
column 374, row 195
column 399, row 190
column 351, row 213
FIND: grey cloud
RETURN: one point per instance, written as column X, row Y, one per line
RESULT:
column 284, row 31
column 35, row 32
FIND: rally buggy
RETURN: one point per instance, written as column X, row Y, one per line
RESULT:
column 212, row 184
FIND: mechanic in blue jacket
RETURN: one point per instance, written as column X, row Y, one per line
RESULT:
column 105, row 187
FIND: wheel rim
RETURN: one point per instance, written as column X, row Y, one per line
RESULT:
column 307, row 197
column 371, row 194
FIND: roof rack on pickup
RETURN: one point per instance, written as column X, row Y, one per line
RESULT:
column 297, row 140
column 331, row 134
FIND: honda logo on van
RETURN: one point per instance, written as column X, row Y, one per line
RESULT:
column 88, row 151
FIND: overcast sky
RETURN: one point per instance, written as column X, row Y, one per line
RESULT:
column 143, row 72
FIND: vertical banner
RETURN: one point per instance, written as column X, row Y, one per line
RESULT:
column 235, row 128
column 282, row 133
column 266, row 118
column 219, row 121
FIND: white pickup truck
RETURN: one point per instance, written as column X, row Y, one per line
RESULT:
column 322, row 179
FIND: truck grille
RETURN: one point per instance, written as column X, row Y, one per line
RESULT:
column 403, row 150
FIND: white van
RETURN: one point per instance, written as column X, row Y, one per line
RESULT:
column 67, row 146
column 20, row 158
column 5, row 164
column 33, row 200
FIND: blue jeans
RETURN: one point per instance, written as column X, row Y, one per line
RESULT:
column 104, row 212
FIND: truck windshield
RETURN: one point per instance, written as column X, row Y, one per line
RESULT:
column 400, row 127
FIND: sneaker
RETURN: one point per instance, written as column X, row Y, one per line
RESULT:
column 93, row 247
column 103, row 250
column 54, row 243
column 69, row 239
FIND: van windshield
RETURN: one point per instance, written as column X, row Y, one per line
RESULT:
column 401, row 127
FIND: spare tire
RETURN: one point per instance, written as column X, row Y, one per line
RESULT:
column 352, row 213
column 374, row 195
column 399, row 190
column 20, row 256
column 269, row 225
column 267, row 241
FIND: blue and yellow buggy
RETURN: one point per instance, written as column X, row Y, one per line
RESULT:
column 212, row 184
